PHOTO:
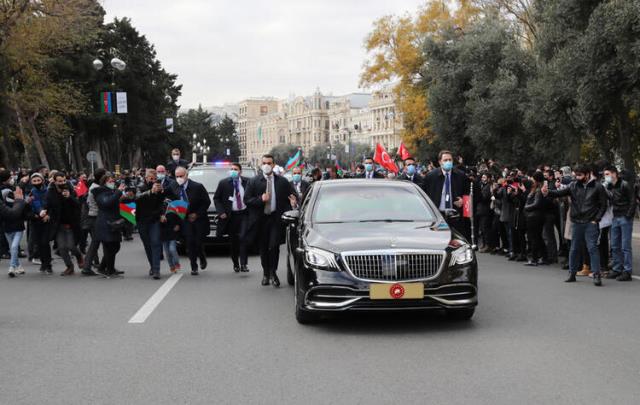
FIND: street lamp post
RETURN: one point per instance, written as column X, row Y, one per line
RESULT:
column 116, row 65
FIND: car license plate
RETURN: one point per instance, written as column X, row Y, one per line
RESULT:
column 397, row 291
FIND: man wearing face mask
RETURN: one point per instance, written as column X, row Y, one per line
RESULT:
column 175, row 162
column 233, row 216
column 446, row 186
column 196, row 226
column 588, row 205
column 301, row 186
column 369, row 170
column 268, row 197
column 316, row 174
column 410, row 172
column 149, row 209
column 169, row 185
column 622, row 197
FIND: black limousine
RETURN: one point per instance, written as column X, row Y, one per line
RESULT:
column 371, row 245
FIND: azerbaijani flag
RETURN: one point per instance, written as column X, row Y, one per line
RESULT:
column 107, row 106
column 179, row 208
column 128, row 212
column 294, row 161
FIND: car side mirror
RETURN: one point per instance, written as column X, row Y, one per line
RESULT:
column 291, row 217
column 450, row 213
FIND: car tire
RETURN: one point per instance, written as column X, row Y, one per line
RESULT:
column 462, row 314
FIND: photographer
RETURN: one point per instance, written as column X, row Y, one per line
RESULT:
column 63, row 210
column 149, row 209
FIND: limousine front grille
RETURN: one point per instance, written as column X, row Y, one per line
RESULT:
column 393, row 266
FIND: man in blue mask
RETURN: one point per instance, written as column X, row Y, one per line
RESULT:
column 370, row 170
column 445, row 186
column 410, row 172
column 301, row 186
column 233, row 215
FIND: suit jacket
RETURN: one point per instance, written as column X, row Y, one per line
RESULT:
column 304, row 187
column 376, row 175
column 258, row 186
column 199, row 200
column 221, row 200
column 171, row 188
column 434, row 181
column 416, row 178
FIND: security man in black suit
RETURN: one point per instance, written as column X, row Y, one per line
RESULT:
column 370, row 170
column 196, row 226
column 233, row 216
column 299, row 184
column 268, row 197
column 175, row 162
column 410, row 172
column 445, row 186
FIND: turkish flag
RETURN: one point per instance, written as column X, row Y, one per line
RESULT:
column 466, row 206
column 383, row 159
column 81, row 189
column 403, row 152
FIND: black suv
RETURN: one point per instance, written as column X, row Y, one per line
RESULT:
column 210, row 175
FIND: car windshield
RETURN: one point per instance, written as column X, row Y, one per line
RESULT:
column 371, row 204
column 211, row 177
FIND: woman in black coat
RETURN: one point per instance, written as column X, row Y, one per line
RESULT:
column 108, row 200
column 534, row 214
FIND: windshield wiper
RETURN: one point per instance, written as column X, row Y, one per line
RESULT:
column 330, row 222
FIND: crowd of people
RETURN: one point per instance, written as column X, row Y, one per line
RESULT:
column 581, row 216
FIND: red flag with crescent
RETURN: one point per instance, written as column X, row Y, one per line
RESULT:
column 466, row 206
column 383, row 159
column 403, row 152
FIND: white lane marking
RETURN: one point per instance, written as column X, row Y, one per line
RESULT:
column 155, row 300
column 636, row 277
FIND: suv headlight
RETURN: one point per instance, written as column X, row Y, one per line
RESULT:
column 461, row 253
column 320, row 259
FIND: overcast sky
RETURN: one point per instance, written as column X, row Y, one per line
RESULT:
column 228, row 50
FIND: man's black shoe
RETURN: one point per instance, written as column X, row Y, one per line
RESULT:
column 150, row 272
column 597, row 279
column 88, row 273
column 531, row 264
column 511, row 258
column 244, row 268
column 275, row 280
column 194, row 272
column 265, row 280
column 236, row 269
column 612, row 275
column 118, row 271
column 625, row 276
column 203, row 262
column 156, row 276
column 571, row 279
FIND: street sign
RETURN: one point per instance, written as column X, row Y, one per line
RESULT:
column 92, row 156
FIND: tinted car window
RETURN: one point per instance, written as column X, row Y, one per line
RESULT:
column 371, row 203
column 211, row 177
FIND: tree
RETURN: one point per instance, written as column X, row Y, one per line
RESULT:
column 395, row 46
column 226, row 129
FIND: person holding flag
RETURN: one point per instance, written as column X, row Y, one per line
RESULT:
column 383, row 159
column 149, row 209
column 170, row 226
column 106, row 231
column 410, row 172
column 233, row 215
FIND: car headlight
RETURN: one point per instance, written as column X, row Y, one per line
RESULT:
column 320, row 258
column 461, row 253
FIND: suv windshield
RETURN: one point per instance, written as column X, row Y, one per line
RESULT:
column 211, row 177
column 371, row 204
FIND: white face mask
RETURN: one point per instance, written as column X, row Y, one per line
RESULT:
column 267, row 169
column 176, row 157
column 181, row 180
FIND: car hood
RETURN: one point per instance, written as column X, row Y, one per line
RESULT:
column 340, row 238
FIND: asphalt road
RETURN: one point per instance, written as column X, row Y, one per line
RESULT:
column 222, row 338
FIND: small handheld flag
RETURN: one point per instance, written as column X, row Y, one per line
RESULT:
column 179, row 208
column 128, row 212
column 294, row 161
column 466, row 206
column 107, row 106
